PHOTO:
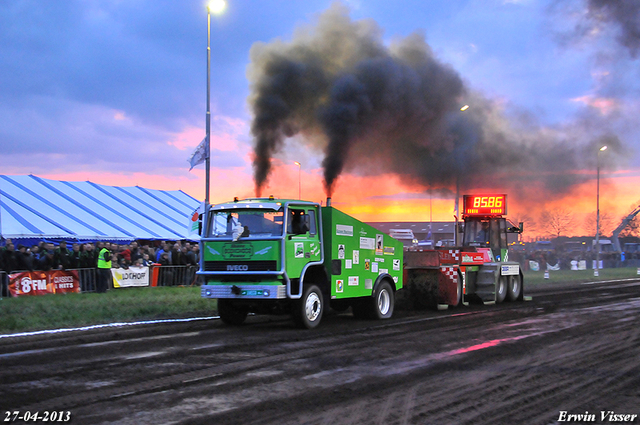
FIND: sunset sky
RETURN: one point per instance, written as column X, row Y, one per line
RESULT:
column 114, row 92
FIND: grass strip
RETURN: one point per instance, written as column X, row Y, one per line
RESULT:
column 32, row 313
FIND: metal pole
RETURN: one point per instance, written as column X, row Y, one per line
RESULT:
column 595, row 269
column 300, row 181
column 207, row 143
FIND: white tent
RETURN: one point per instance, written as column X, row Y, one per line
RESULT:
column 35, row 208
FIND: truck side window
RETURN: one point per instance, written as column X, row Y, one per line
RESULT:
column 311, row 215
column 298, row 223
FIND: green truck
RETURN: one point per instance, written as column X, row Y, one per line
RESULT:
column 279, row 256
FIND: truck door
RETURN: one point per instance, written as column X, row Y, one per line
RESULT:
column 302, row 242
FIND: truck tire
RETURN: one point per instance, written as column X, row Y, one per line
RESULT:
column 309, row 308
column 382, row 303
column 515, row 288
column 501, row 289
column 230, row 314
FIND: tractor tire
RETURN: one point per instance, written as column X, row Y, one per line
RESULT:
column 309, row 308
column 514, row 291
column 382, row 304
column 459, row 294
column 501, row 289
column 230, row 314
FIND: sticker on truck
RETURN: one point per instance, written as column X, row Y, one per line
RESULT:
column 509, row 270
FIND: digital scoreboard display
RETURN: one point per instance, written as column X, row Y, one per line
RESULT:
column 485, row 204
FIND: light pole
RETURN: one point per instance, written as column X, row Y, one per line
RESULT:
column 216, row 7
column 595, row 269
column 299, row 179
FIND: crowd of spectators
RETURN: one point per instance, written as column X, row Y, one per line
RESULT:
column 47, row 256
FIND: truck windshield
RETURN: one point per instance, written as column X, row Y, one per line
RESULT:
column 246, row 224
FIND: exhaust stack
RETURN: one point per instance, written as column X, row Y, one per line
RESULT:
column 328, row 201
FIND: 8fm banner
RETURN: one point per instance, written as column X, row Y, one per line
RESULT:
column 133, row 276
column 41, row 283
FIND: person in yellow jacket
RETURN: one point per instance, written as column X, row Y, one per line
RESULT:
column 104, row 268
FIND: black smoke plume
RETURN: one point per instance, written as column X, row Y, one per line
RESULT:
column 376, row 109
column 623, row 13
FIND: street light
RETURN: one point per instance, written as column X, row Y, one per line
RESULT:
column 299, row 179
column 595, row 269
column 216, row 7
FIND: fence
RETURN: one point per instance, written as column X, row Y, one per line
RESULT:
column 175, row 275
column 160, row 276
column 4, row 285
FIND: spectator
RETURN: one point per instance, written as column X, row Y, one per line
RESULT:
column 192, row 256
column 104, row 268
column 46, row 262
column 164, row 248
column 164, row 259
column 24, row 260
column 9, row 257
column 124, row 254
column 136, row 253
column 62, row 257
column 87, row 257
column 178, row 255
column 35, row 254
column 146, row 262
column 74, row 258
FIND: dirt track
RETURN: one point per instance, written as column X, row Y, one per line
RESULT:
column 574, row 350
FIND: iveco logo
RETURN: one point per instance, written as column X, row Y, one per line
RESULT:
column 240, row 268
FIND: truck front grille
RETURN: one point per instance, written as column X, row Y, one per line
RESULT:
column 240, row 266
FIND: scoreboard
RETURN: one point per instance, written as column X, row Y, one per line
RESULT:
column 485, row 205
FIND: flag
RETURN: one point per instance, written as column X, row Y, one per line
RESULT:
column 195, row 220
column 199, row 155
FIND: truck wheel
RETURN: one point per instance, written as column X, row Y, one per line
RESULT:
column 515, row 288
column 309, row 308
column 501, row 289
column 382, row 302
column 230, row 314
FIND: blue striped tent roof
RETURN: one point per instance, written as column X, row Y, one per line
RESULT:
column 33, row 207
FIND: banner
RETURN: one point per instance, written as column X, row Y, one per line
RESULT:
column 41, row 283
column 133, row 276
column 195, row 221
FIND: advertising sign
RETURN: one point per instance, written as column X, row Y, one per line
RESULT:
column 41, row 283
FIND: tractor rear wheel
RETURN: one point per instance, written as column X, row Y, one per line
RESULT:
column 501, row 289
column 515, row 288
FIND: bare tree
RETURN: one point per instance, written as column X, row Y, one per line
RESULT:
column 607, row 224
column 556, row 221
column 530, row 225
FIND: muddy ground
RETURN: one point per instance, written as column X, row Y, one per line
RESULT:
column 574, row 350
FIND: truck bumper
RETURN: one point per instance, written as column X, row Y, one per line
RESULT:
column 240, row 291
